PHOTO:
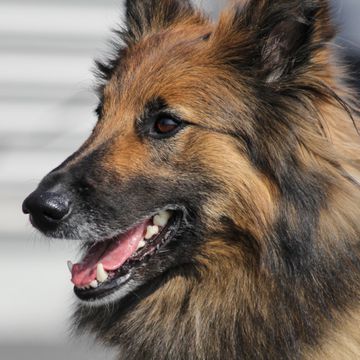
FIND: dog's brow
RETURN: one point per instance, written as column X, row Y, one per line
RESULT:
column 155, row 105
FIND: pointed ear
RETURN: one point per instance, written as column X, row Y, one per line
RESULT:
column 285, row 34
column 145, row 16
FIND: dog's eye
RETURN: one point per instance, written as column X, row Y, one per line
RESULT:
column 165, row 126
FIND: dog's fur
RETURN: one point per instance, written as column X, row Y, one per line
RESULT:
column 268, row 171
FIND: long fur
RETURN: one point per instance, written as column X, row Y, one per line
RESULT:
column 275, row 273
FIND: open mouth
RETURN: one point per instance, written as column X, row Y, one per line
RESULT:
column 108, row 265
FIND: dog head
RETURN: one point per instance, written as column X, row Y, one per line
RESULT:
column 197, row 139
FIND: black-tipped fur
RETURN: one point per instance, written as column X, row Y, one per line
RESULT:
column 266, row 264
column 146, row 16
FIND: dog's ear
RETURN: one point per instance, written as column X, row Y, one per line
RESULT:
column 145, row 16
column 281, row 35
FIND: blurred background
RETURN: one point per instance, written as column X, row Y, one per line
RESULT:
column 46, row 111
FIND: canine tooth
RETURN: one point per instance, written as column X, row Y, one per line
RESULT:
column 162, row 218
column 142, row 243
column 70, row 265
column 94, row 284
column 101, row 274
column 151, row 231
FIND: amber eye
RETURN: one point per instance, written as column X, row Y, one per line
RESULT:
column 166, row 126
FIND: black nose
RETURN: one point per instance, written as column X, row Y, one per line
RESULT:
column 46, row 208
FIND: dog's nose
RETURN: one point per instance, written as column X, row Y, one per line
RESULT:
column 46, row 208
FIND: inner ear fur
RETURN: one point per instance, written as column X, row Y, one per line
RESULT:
column 278, row 35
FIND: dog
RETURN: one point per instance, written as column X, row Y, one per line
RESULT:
column 217, row 199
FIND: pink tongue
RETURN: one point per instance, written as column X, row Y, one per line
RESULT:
column 112, row 256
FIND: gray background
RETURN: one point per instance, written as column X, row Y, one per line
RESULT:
column 46, row 53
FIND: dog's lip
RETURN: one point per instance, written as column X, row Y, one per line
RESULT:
column 123, row 275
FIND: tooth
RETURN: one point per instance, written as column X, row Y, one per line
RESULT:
column 151, row 231
column 142, row 243
column 70, row 265
column 101, row 274
column 162, row 218
column 94, row 284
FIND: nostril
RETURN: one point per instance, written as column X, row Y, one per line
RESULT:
column 25, row 208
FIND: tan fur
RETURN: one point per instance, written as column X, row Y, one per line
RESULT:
column 341, row 341
column 237, row 280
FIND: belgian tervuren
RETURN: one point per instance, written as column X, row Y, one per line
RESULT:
column 218, row 197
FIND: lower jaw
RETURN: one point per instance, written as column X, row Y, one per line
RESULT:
column 118, row 288
column 123, row 281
